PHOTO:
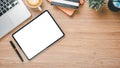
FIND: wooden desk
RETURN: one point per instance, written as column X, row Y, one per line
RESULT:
column 92, row 41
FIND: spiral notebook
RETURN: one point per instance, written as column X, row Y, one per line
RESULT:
column 37, row 35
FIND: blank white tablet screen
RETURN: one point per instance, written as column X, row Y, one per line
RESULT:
column 37, row 35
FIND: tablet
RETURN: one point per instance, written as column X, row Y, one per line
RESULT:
column 38, row 34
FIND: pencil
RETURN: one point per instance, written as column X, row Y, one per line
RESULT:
column 12, row 44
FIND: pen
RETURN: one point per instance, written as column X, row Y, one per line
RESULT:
column 12, row 44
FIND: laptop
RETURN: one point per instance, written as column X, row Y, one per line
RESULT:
column 12, row 13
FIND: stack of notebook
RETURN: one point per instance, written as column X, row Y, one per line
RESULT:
column 67, row 6
column 74, row 4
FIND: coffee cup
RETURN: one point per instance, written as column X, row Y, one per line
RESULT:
column 34, row 4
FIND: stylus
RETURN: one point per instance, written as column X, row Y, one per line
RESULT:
column 12, row 44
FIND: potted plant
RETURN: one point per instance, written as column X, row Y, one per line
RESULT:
column 96, row 4
column 114, row 5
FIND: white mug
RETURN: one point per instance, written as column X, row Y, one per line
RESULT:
column 34, row 4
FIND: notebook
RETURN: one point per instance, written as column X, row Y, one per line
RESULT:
column 38, row 34
column 66, row 3
column 68, row 11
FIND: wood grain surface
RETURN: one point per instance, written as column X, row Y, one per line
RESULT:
column 92, row 40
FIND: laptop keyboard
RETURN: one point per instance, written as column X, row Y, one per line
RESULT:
column 6, row 5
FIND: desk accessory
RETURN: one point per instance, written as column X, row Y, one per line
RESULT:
column 68, row 11
column 34, row 4
column 12, row 44
column 96, row 4
column 38, row 34
column 66, row 3
column 114, row 5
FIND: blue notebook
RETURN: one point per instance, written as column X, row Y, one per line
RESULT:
column 66, row 3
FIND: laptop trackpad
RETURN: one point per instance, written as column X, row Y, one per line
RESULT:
column 5, row 25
